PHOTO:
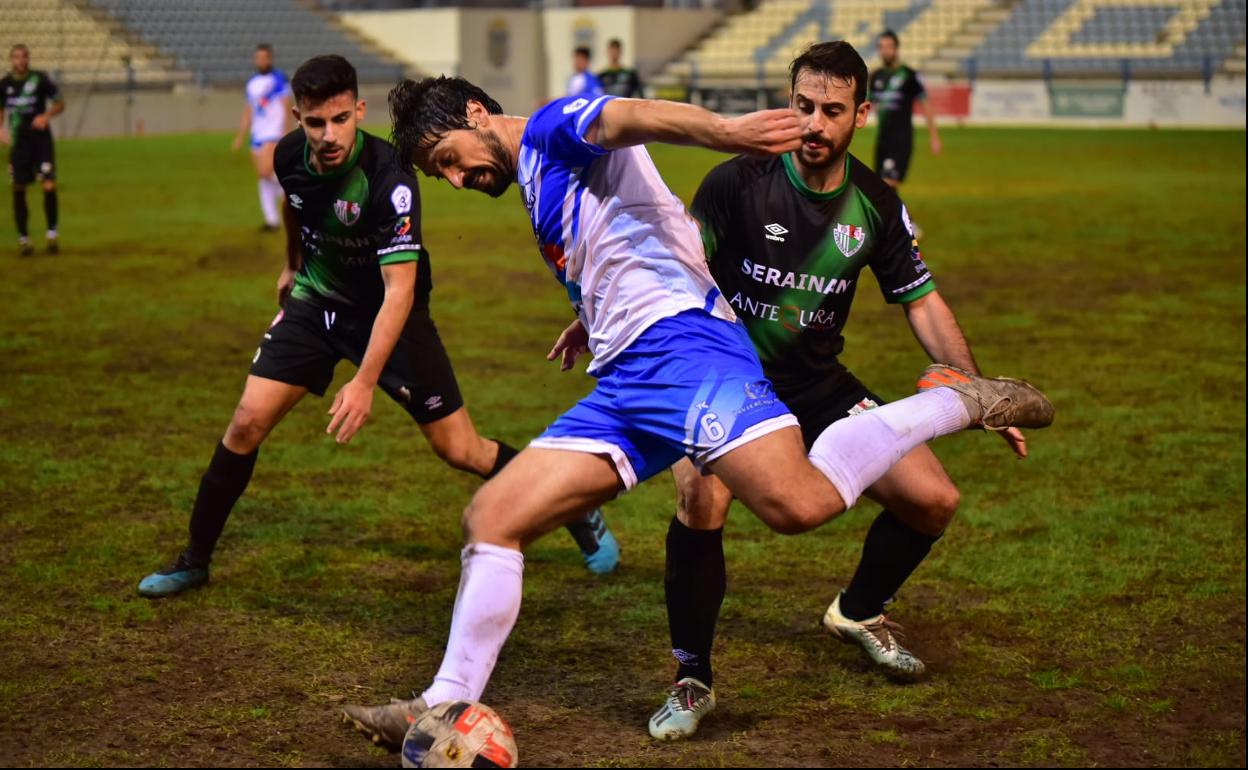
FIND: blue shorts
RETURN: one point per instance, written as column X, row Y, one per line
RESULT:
column 689, row 386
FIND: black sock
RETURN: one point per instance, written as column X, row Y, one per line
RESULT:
column 892, row 551
column 506, row 453
column 20, row 213
column 223, row 483
column 588, row 531
column 694, row 585
column 49, row 208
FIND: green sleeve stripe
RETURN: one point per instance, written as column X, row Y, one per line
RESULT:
column 395, row 255
column 927, row 287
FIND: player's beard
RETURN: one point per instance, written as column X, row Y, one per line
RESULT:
column 502, row 170
column 830, row 155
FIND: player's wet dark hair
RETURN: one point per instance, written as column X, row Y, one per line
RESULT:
column 424, row 111
column 835, row 59
column 581, row 50
column 891, row 35
column 323, row 77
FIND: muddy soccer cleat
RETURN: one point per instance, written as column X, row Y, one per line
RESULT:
column 385, row 725
column 994, row 403
column 177, row 577
column 878, row 638
column 688, row 701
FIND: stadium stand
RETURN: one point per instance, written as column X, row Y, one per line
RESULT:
column 1013, row 38
column 214, row 40
column 76, row 47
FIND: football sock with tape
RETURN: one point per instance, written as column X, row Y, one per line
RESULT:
column 20, row 213
column 222, row 484
column 855, row 452
column 890, row 554
column 486, row 607
column 694, row 584
column 506, row 454
column 50, row 208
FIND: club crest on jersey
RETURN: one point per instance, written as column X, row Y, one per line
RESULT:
column 849, row 239
column 348, row 212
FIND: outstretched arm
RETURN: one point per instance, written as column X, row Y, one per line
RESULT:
column 629, row 122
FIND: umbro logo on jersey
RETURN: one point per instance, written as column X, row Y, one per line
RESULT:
column 775, row 231
column 296, row 202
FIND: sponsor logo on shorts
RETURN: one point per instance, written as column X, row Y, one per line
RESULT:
column 862, row 406
column 775, row 231
column 433, row 402
column 296, row 201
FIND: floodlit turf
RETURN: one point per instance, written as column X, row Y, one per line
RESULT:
column 1087, row 605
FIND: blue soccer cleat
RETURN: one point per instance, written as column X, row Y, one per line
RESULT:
column 598, row 546
column 174, row 579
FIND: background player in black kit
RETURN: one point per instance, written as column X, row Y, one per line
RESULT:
column 786, row 239
column 894, row 89
column 356, row 286
column 31, row 100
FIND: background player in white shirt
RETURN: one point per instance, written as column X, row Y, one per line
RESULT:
column 266, row 116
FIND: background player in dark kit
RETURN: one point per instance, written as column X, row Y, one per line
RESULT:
column 31, row 100
column 356, row 286
column 787, row 239
column 617, row 79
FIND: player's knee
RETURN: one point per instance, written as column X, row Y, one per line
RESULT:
column 942, row 507
column 49, row 186
column 484, row 519
column 794, row 514
column 247, row 430
column 698, row 507
column 461, row 453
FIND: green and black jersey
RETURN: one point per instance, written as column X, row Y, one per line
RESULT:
column 621, row 82
column 788, row 258
column 24, row 99
column 353, row 220
column 893, row 93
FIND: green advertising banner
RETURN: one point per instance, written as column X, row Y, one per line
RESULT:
column 1086, row 101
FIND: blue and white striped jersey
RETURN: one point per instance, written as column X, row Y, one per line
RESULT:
column 610, row 229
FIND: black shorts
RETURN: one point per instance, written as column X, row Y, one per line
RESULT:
column 818, row 404
column 306, row 341
column 892, row 158
column 31, row 157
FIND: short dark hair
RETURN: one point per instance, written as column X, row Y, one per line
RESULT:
column 19, row 47
column 836, row 59
column 581, row 50
column 614, row 43
column 891, row 35
column 266, row 47
column 424, row 111
column 323, row 77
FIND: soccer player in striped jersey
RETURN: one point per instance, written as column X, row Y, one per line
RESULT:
column 677, row 376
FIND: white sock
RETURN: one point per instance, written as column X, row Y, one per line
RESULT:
column 485, row 611
column 268, row 202
column 856, row 451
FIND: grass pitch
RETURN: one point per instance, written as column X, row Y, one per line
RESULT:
column 1086, row 606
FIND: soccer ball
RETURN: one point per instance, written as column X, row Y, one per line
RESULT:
column 459, row 734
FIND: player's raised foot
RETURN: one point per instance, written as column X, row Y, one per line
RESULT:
column 599, row 548
column 184, row 573
column 688, row 701
column 24, row 247
column 995, row 403
column 385, row 725
column 878, row 638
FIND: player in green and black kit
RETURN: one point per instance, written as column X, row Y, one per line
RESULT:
column 894, row 90
column 356, row 286
column 616, row 79
column 31, row 100
column 787, row 239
